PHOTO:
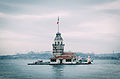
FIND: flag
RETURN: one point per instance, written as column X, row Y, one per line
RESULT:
column 58, row 20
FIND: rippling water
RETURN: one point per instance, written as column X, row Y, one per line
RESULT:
column 100, row 69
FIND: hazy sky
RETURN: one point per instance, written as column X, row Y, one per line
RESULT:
column 86, row 25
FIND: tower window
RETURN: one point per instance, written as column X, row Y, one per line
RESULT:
column 58, row 42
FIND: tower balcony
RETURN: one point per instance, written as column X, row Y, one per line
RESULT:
column 58, row 44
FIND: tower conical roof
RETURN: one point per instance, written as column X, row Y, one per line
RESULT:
column 58, row 36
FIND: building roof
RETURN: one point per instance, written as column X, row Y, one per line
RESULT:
column 68, row 53
column 61, row 57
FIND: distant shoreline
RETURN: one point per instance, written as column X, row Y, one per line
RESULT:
column 47, row 55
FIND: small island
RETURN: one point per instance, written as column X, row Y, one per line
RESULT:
column 61, row 58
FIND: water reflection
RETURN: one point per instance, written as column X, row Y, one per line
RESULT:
column 58, row 71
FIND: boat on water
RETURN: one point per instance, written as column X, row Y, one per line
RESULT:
column 39, row 62
column 88, row 60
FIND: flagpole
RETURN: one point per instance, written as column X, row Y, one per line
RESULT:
column 58, row 24
column 58, row 27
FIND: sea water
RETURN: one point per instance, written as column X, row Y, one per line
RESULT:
column 18, row 69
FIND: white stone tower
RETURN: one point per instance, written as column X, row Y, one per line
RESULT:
column 58, row 46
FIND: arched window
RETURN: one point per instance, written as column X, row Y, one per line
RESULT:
column 58, row 42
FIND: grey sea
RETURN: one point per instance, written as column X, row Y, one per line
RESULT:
column 100, row 69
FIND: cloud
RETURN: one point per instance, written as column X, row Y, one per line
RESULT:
column 35, row 17
column 14, row 42
column 113, row 5
column 86, row 25
column 13, row 35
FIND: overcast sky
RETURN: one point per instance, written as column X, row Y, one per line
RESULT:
column 89, row 26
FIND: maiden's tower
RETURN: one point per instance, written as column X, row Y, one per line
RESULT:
column 58, row 51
